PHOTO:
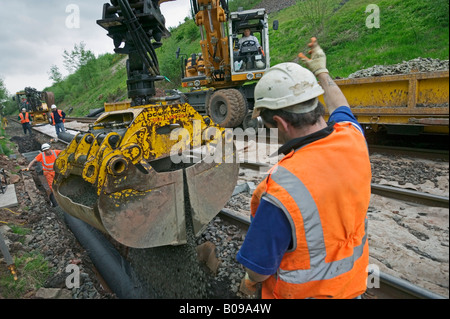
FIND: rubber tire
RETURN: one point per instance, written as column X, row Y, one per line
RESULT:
column 236, row 107
column 251, row 123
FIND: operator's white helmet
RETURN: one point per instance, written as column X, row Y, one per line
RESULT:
column 284, row 86
column 45, row 147
column 24, row 109
column 53, row 106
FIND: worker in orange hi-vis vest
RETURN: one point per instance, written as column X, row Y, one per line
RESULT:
column 308, row 236
column 25, row 119
column 47, row 157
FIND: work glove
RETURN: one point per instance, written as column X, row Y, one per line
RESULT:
column 248, row 286
column 318, row 62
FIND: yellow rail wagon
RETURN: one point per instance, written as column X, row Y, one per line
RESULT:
column 409, row 104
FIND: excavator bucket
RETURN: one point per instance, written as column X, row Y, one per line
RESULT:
column 138, row 171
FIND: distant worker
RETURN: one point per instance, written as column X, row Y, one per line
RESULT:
column 58, row 119
column 47, row 158
column 308, row 236
column 4, row 122
column 25, row 119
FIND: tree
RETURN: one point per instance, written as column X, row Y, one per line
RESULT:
column 81, row 60
column 55, row 75
column 3, row 92
column 79, row 56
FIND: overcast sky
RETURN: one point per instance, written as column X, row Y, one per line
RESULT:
column 35, row 33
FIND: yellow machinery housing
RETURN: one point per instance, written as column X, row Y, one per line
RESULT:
column 36, row 103
column 127, row 182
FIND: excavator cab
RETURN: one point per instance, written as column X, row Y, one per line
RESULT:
column 224, row 91
column 249, row 55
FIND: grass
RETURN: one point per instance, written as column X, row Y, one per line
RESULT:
column 5, row 144
column 32, row 271
column 408, row 29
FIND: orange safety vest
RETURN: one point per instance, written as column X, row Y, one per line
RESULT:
column 48, row 161
column 60, row 115
column 24, row 119
column 324, row 190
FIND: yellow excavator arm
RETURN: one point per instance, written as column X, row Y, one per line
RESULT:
column 211, row 18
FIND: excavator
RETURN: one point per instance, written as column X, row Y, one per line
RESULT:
column 37, row 103
column 223, row 76
column 152, row 171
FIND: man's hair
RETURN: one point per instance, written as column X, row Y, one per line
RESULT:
column 297, row 120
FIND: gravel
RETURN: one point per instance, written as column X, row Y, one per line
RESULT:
column 48, row 234
column 405, row 67
column 274, row 6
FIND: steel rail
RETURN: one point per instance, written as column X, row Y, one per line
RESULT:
column 409, row 151
column 407, row 195
column 410, row 196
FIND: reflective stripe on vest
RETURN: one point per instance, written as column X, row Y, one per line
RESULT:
column 47, row 166
column 319, row 269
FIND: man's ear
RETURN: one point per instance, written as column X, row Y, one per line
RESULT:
column 281, row 123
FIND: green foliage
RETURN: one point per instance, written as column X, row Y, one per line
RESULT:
column 408, row 29
column 5, row 144
column 33, row 271
column 100, row 80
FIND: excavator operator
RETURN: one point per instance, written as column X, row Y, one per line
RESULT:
column 247, row 36
column 249, row 47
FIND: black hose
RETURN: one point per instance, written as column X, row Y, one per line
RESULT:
column 114, row 269
column 66, row 137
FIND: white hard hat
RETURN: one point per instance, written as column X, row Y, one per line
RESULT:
column 260, row 64
column 53, row 106
column 287, row 85
column 24, row 109
column 45, row 147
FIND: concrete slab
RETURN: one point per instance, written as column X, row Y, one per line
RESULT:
column 9, row 198
column 31, row 155
column 50, row 130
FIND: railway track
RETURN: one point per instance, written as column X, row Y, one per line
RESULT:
column 410, row 151
column 390, row 287
column 406, row 195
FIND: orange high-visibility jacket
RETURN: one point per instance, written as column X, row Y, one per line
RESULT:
column 324, row 190
column 60, row 115
column 47, row 161
column 24, row 119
